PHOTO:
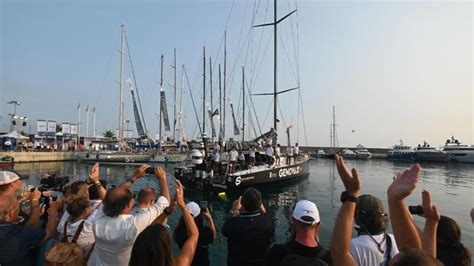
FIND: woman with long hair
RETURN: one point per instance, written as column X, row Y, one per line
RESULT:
column 449, row 248
column 153, row 246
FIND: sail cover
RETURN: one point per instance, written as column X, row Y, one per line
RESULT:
column 164, row 110
column 136, row 114
column 236, row 127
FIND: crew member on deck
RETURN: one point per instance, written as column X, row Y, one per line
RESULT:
column 252, row 152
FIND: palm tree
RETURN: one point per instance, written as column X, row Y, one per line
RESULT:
column 109, row 134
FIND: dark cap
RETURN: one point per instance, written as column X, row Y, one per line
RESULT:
column 368, row 204
column 370, row 216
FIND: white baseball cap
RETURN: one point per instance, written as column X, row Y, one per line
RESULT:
column 306, row 212
column 7, row 177
column 193, row 208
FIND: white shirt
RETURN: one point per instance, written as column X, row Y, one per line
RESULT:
column 233, row 155
column 115, row 236
column 86, row 237
column 217, row 157
column 277, row 151
column 269, row 151
column 289, row 151
column 252, row 152
column 297, row 150
column 365, row 251
column 242, row 157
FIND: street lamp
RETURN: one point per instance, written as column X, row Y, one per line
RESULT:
column 15, row 104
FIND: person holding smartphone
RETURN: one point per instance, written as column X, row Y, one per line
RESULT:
column 207, row 231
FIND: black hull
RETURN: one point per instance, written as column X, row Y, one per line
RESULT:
column 248, row 178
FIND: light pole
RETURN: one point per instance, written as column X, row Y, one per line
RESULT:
column 12, row 115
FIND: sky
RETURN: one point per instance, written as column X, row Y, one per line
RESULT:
column 394, row 70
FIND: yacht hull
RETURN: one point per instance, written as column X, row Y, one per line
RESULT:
column 115, row 158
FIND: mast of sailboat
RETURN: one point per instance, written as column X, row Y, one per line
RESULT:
column 225, row 82
column 220, row 106
column 204, row 89
column 161, row 89
column 243, row 104
column 174, row 98
column 121, row 103
column 211, row 105
column 180, row 121
column 334, row 127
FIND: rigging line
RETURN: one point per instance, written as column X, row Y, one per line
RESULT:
column 259, row 68
column 282, row 117
column 101, row 84
column 252, row 71
column 136, row 86
column 192, row 99
column 288, row 58
column 230, row 13
column 266, row 115
column 302, row 117
column 253, row 108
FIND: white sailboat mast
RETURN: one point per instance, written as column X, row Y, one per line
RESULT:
column 121, row 104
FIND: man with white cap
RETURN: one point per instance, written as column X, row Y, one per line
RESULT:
column 303, row 248
column 10, row 183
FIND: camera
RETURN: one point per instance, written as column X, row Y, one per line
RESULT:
column 150, row 170
column 415, row 209
column 203, row 205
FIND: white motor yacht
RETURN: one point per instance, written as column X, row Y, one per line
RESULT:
column 348, row 154
column 426, row 153
column 459, row 152
column 401, row 152
column 362, row 153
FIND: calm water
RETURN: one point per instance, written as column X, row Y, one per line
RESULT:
column 451, row 186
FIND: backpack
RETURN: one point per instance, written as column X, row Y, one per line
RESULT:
column 66, row 253
column 293, row 259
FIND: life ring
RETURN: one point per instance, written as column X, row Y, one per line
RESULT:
column 127, row 160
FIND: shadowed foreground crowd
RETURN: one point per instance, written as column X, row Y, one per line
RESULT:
column 95, row 226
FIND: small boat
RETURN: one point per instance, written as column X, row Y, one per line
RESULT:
column 362, row 153
column 401, row 152
column 319, row 154
column 426, row 153
column 348, row 154
column 459, row 153
column 7, row 161
column 113, row 157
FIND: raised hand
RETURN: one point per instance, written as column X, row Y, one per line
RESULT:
column 430, row 212
column 160, row 172
column 179, row 196
column 351, row 180
column 236, row 204
column 55, row 204
column 404, row 183
column 140, row 172
column 94, row 173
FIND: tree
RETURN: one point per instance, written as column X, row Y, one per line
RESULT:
column 109, row 134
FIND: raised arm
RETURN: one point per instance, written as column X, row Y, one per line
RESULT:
column 94, row 178
column 161, row 176
column 404, row 229
column 430, row 212
column 54, row 207
column 342, row 232
column 186, row 255
column 138, row 173
column 210, row 221
column 34, row 220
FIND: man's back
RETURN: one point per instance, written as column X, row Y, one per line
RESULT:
column 364, row 249
column 279, row 253
column 248, row 238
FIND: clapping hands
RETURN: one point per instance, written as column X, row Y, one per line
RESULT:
column 404, row 183
column 351, row 179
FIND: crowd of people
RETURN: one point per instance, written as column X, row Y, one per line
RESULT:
column 96, row 226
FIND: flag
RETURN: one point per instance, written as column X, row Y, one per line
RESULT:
column 79, row 106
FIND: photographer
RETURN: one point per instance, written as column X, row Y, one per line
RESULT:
column 207, row 233
column 17, row 239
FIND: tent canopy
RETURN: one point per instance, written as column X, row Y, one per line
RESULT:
column 14, row 135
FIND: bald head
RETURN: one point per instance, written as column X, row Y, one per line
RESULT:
column 146, row 197
column 117, row 201
column 8, row 208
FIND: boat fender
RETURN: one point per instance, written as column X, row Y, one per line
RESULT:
column 127, row 160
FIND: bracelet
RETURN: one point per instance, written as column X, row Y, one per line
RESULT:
column 167, row 212
column 97, row 184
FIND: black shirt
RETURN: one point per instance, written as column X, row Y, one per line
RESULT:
column 201, row 257
column 15, row 242
column 248, row 238
column 278, row 251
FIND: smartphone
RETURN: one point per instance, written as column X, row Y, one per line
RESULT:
column 415, row 209
column 203, row 206
column 150, row 170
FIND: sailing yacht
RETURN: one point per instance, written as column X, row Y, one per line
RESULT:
column 123, row 155
column 256, row 168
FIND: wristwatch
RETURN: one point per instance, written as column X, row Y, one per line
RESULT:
column 347, row 197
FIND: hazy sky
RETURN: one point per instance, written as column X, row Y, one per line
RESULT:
column 393, row 69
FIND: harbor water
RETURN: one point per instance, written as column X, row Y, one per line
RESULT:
column 451, row 187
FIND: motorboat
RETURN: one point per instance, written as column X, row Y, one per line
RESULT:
column 401, row 152
column 427, row 153
column 114, row 157
column 460, row 153
column 7, row 161
column 348, row 154
column 362, row 153
column 319, row 154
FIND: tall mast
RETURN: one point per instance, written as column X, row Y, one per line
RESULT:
column 174, row 98
column 220, row 105
column 275, row 66
column 225, row 68
column 243, row 104
column 161, row 88
column 180, row 127
column 210, row 82
column 204, row 89
column 121, row 104
column 334, row 126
